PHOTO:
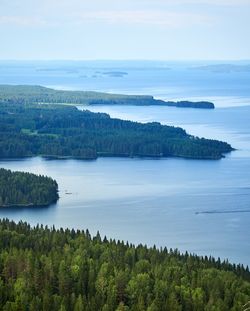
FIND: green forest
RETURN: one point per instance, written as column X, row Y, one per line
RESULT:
column 64, row 131
column 57, row 269
column 40, row 94
column 26, row 189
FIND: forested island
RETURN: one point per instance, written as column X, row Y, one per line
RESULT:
column 64, row 131
column 57, row 269
column 26, row 189
column 40, row 94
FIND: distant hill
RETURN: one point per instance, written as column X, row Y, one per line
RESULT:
column 40, row 94
column 223, row 68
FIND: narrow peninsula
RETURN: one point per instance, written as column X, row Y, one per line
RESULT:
column 40, row 94
column 19, row 189
column 64, row 131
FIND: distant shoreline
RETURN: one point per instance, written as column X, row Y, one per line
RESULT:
column 39, row 94
column 25, row 205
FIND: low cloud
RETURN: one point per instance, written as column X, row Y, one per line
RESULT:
column 22, row 21
column 144, row 17
column 119, row 17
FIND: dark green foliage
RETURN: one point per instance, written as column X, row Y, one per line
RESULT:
column 153, row 102
column 25, row 189
column 188, row 104
column 48, row 269
column 63, row 131
column 39, row 94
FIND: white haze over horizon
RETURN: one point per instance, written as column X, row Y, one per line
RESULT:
column 131, row 29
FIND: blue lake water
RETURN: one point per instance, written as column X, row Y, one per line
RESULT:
column 165, row 80
column 194, row 205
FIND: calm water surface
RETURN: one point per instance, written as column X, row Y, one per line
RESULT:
column 165, row 80
column 199, row 206
column 195, row 205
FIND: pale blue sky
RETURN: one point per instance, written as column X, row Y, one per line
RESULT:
column 128, row 29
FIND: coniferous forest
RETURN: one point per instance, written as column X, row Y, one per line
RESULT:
column 167, row 174
column 49, row 269
column 26, row 189
column 63, row 131
column 40, row 94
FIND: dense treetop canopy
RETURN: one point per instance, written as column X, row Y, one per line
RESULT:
column 49, row 269
column 64, row 131
column 26, row 189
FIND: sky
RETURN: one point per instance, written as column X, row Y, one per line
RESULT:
column 128, row 29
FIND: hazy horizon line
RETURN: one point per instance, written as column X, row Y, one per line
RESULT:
column 123, row 59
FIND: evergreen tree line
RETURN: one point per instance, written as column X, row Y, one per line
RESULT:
column 40, row 94
column 26, row 189
column 54, row 130
column 50, row 269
